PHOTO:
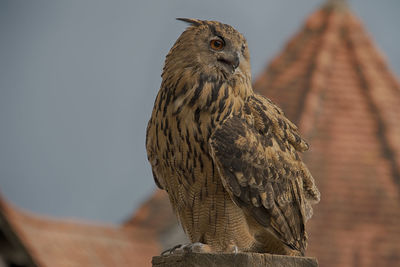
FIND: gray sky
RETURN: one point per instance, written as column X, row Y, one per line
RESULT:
column 78, row 81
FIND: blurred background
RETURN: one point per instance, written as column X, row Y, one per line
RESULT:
column 78, row 81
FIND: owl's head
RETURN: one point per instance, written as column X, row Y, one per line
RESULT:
column 210, row 48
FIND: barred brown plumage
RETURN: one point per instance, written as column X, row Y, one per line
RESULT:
column 226, row 156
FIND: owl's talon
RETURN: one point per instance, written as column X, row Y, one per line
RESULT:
column 196, row 247
column 235, row 250
column 172, row 250
column 232, row 249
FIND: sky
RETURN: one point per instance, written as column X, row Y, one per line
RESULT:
column 78, row 81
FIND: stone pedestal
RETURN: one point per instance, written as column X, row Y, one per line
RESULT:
column 190, row 259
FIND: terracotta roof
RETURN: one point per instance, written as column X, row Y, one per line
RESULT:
column 54, row 243
column 155, row 213
column 333, row 82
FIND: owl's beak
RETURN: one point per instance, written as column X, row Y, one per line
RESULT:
column 231, row 59
column 236, row 60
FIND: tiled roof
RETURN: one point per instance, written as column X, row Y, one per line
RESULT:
column 157, row 214
column 333, row 82
column 60, row 243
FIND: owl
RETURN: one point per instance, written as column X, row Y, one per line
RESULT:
column 226, row 156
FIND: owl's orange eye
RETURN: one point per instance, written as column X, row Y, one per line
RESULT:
column 217, row 44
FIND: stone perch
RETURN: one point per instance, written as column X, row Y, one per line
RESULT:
column 190, row 259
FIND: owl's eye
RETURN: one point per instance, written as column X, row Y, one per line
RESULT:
column 217, row 44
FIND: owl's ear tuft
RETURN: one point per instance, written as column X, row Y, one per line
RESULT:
column 194, row 22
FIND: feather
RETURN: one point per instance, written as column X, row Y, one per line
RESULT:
column 194, row 22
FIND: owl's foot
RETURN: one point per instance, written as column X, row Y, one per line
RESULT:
column 171, row 250
column 175, row 249
column 191, row 247
column 234, row 249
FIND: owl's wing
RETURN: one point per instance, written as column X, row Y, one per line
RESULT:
column 262, row 171
column 270, row 120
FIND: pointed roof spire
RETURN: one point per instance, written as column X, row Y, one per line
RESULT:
column 334, row 83
column 339, row 5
